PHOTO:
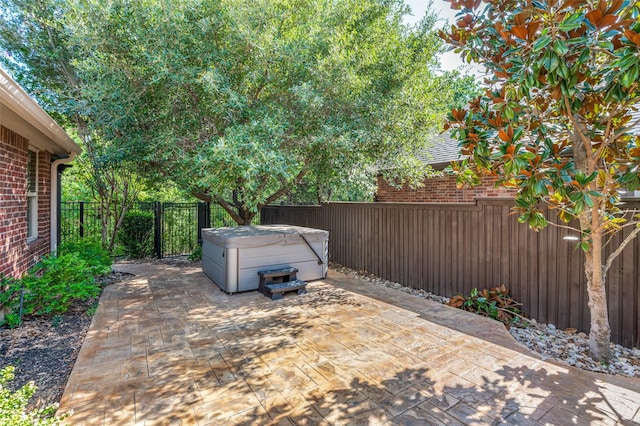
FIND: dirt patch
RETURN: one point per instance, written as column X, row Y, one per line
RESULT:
column 44, row 350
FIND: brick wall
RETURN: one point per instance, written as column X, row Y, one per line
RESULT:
column 440, row 190
column 16, row 255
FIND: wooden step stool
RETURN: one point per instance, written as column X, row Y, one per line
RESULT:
column 274, row 282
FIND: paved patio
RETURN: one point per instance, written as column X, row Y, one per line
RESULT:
column 168, row 347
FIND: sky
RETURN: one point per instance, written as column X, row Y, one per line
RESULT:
column 449, row 60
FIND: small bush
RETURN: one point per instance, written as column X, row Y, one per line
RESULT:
column 50, row 287
column 95, row 257
column 136, row 234
column 495, row 303
column 196, row 254
column 10, row 290
column 62, row 280
column 13, row 405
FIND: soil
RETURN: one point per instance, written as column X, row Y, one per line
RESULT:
column 44, row 350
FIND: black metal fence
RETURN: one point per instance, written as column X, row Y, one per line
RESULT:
column 176, row 230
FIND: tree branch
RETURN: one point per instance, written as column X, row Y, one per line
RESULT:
column 621, row 247
column 582, row 138
column 229, row 209
column 202, row 196
column 283, row 190
column 570, row 228
column 625, row 129
column 605, row 138
column 262, row 85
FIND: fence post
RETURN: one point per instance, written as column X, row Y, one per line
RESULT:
column 81, row 219
column 157, row 211
column 204, row 218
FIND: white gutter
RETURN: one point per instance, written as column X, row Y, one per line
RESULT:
column 17, row 100
column 53, row 236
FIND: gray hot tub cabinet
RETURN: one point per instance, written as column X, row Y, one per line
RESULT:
column 232, row 256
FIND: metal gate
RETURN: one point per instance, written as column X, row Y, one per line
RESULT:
column 177, row 226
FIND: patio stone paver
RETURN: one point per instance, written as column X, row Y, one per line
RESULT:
column 168, row 347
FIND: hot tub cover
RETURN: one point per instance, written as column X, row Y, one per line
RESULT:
column 262, row 235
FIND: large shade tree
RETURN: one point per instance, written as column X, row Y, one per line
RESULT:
column 240, row 100
column 559, row 120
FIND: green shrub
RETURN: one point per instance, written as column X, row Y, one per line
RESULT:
column 54, row 283
column 62, row 280
column 136, row 234
column 95, row 257
column 10, row 290
column 196, row 254
column 495, row 303
column 13, row 405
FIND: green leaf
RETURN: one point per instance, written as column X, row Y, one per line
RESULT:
column 630, row 77
column 541, row 42
column 540, row 188
column 584, row 56
column 628, row 177
column 560, row 47
column 576, row 196
column 571, row 22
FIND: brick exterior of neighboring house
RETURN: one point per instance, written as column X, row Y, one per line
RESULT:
column 443, row 189
column 440, row 189
column 27, row 133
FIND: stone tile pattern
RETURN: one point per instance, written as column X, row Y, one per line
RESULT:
column 168, row 347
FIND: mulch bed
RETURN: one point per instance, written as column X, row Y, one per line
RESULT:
column 44, row 350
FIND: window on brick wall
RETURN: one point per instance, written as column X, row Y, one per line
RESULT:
column 32, row 196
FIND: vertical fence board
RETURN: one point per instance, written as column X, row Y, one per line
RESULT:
column 635, row 302
column 628, row 279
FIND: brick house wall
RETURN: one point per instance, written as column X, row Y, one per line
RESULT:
column 440, row 190
column 16, row 254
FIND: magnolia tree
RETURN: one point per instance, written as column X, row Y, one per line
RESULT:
column 558, row 120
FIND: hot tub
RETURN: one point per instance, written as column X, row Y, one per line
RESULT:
column 232, row 256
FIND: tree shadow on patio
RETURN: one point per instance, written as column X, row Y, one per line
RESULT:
column 183, row 351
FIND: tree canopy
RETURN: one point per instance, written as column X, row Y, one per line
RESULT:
column 39, row 49
column 559, row 119
column 239, row 101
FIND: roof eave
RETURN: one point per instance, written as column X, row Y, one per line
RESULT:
column 23, row 105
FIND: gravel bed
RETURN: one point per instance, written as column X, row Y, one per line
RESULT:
column 561, row 345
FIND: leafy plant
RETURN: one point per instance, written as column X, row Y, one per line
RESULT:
column 56, row 321
column 136, row 234
column 92, row 309
column 10, row 290
column 95, row 257
column 62, row 280
column 197, row 253
column 49, row 288
column 495, row 303
column 13, row 405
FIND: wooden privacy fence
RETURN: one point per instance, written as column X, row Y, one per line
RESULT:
column 451, row 248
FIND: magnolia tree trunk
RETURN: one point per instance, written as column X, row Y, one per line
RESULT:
column 600, row 333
